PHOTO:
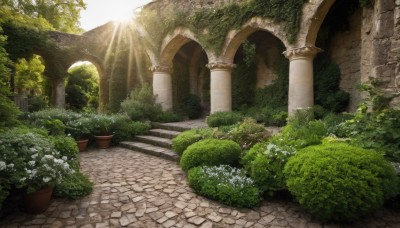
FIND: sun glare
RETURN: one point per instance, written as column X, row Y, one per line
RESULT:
column 121, row 11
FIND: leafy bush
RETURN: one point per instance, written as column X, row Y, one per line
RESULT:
column 167, row 117
column 301, row 131
column 225, row 184
column 53, row 126
column 187, row 138
column 68, row 148
column 53, row 113
column 268, row 115
column 37, row 103
column 248, row 133
column 141, row 104
column 340, row 182
column 376, row 130
column 191, row 106
column 102, row 124
column 125, row 129
column 8, row 112
column 265, row 163
column 224, row 118
column 210, row 152
column 74, row 186
column 81, row 128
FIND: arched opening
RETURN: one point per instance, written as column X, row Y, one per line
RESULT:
column 260, row 78
column 82, row 87
column 191, row 79
column 338, row 70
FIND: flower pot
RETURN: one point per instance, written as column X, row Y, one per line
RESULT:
column 103, row 142
column 38, row 202
column 82, row 144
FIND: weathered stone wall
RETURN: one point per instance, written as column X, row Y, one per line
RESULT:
column 191, row 4
column 393, row 60
column 345, row 50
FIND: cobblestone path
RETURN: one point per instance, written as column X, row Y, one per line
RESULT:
column 137, row 190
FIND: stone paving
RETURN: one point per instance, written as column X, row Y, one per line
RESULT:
column 138, row 190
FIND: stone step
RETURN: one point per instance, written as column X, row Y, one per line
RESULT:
column 164, row 133
column 154, row 140
column 181, row 126
column 151, row 150
column 170, row 127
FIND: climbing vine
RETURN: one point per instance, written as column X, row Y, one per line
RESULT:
column 211, row 25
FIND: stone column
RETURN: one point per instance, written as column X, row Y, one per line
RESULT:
column 162, row 86
column 301, row 92
column 58, row 92
column 221, row 86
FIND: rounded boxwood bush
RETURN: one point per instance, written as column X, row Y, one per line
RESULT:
column 340, row 182
column 74, row 186
column 224, row 118
column 225, row 184
column 187, row 138
column 210, row 152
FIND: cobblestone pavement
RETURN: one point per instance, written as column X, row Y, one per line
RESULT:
column 137, row 190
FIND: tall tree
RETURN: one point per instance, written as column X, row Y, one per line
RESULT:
column 63, row 15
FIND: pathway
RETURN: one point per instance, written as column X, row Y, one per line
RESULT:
column 138, row 190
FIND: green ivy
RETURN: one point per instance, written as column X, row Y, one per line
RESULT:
column 212, row 25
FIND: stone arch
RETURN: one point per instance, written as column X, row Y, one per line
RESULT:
column 173, row 42
column 236, row 37
column 313, row 17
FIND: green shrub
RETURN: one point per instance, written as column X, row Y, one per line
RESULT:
column 249, row 156
column 74, row 186
column 8, row 113
column 248, row 133
column 224, row 118
column 301, row 131
column 67, row 147
column 4, row 192
column 53, row 126
column 37, row 103
column 141, row 104
column 191, row 106
column 225, row 184
column 340, row 182
column 268, row 115
column 187, row 138
column 53, row 113
column 167, row 117
column 125, row 129
column 210, row 152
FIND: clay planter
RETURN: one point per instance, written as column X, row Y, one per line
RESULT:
column 103, row 142
column 38, row 202
column 82, row 144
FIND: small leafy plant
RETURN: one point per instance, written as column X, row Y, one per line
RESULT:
column 223, row 119
column 226, row 184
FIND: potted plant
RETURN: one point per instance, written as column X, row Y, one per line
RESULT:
column 102, row 130
column 31, row 162
column 80, row 129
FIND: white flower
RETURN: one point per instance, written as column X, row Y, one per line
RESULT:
column 31, row 163
column 11, row 165
column 46, row 179
column 2, row 165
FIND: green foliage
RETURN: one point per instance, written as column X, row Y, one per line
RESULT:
column 225, row 184
column 8, row 113
column 248, row 133
column 212, row 25
column 376, row 130
column 74, row 186
column 67, row 147
column 53, row 113
column 218, row 119
column 53, row 126
column 268, row 115
column 126, row 129
column 29, row 76
column 326, row 85
column 187, row 138
column 141, row 104
column 82, row 89
column 167, row 117
column 37, row 103
column 339, row 182
column 102, row 124
column 301, row 131
column 79, row 128
column 191, row 106
column 377, row 98
column 265, row 162
column 210, row 152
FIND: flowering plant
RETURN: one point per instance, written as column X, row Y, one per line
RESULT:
column 79, row 128
column 103, row 124
column 30, row 160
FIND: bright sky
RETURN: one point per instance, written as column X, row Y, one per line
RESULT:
column 99, row 12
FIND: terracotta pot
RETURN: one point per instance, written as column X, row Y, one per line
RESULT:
column 38, row 202
column 103, row 142
column 82, row 144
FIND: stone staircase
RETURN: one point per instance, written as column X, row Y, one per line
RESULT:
column 158, row 141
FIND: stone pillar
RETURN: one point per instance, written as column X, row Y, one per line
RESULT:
column 162, row 86
column 221, row 87
column 58, row 92
column 103, row 93
column 301, row 92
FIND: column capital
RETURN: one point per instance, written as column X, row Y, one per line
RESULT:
column 161, row 68
column 220, row 65
column 307, row 51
